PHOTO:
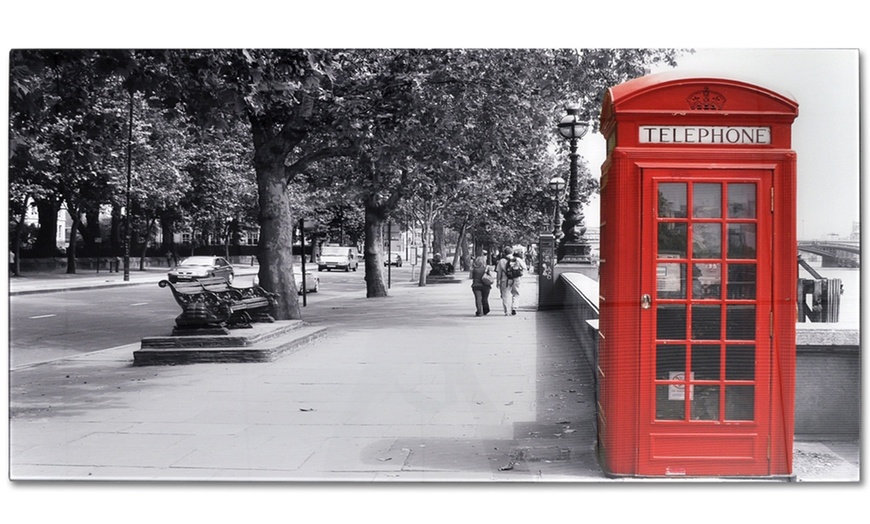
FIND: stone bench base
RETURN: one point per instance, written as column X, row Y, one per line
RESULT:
column 261, row 343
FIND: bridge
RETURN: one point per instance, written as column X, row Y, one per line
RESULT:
column 835, row 253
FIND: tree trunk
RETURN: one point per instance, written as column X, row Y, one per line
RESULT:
column 19, row 231
column 90, row 231
column 424, row 265
column 374, row 241
column 438, row 238
column 45, row 243
column 167, row 231
column 116, row 240
column 148, row 228
column 275, row 253
column 235, row 235
column 461, row 249
column 71, row 252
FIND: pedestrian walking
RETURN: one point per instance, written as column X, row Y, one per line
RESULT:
column 481, row 284
column 509, row 271
column 11, row 263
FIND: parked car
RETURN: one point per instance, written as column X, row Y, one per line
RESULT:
column 192, row 268
column 395, row 259
column 337, row 257
column 312, row 280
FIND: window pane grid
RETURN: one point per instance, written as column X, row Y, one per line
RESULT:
column 715, row 253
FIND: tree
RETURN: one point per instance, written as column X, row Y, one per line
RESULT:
column 163, row 150
column 277, row 94
column 415, row 124
column 75, row 128
column 441, row 117
column 488, row 116
column 31, row 155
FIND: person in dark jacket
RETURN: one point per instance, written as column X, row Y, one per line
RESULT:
column 479, row 286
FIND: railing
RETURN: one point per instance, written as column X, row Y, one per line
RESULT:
column 819, row 297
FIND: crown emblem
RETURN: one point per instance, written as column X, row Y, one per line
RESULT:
column 706, row 100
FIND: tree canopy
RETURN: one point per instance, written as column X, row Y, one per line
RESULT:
column 464, row 136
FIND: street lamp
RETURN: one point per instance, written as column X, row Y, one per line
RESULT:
column 557, row 185
column 573, row 246
column 127, row 195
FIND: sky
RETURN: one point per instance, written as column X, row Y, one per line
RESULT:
column 825, row 136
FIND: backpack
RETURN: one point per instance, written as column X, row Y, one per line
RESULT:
column 513, row 269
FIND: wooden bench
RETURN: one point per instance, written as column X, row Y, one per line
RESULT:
column 213, row 304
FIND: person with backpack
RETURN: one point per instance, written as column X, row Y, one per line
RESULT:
column 510, row 271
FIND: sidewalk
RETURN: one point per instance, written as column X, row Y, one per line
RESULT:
column 45, row 282
column 411, row 387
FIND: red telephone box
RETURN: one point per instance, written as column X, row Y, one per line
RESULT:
column 698, row 274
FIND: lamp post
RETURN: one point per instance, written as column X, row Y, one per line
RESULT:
column 557, row 185
column 127, row 194
column 573, row 246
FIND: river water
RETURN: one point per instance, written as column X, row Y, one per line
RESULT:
column 850, row 278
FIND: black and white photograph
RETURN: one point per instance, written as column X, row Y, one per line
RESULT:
column 622, row 269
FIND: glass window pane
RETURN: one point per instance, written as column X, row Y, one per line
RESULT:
column 707, row 201
column 670, row 402
column 741, row 281
column 669, row 359
column 706, row 322
column 672, row 200
column 739, row 402
column 740, row 363
column 705, row 402
column 671, row 280
column 740, row 322
column 706, row 361
column 672, row 240
column 671, row 322
column 706, row 281
column 741, row 240
column 706, row 240
column 741, row 200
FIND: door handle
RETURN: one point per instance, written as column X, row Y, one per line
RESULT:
column 645, row 301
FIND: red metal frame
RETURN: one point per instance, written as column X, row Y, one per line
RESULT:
column 631, row 441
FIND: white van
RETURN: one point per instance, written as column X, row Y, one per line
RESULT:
column 338, row 257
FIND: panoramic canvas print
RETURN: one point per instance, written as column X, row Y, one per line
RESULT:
column 434, row 265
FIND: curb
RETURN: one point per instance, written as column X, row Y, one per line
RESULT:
column 76, row 288
column 71, row 285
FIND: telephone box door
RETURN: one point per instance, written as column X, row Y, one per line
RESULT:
column 705, row 322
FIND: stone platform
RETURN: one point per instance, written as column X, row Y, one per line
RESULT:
column 442, row 279
column 261, row 343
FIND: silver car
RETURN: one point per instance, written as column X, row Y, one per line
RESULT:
column 193, row 268
column 395, row 259
column 312, row 280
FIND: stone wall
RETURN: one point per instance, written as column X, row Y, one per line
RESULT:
column 828, row 381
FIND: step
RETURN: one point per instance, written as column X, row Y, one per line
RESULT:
column 262, row 344
column 256, row 334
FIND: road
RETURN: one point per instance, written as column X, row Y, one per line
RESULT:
column 48, row 326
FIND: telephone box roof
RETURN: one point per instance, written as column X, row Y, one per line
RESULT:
column 672, row 91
